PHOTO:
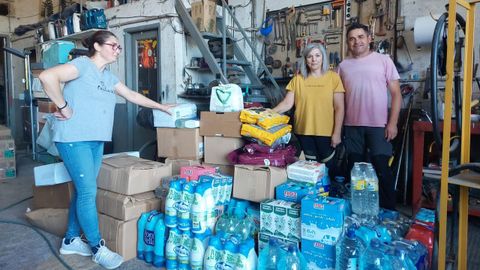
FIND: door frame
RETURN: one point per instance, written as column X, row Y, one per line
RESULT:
column 130, row 61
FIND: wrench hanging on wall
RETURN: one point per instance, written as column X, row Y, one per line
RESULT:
column 359, row 10
column 380, row 15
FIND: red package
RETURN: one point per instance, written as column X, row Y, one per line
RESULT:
column 278, row 158
column 423, row 234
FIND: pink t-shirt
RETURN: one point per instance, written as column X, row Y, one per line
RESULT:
column 366, row 94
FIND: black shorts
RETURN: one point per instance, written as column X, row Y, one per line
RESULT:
column 316, row 148
column 359, row 139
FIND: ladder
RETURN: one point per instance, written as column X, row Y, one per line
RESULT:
column 469, row 179
column 219, row 67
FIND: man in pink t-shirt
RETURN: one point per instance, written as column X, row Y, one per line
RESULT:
column 368, row 77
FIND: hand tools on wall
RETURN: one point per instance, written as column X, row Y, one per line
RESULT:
column 380, row 14
column 359, row 10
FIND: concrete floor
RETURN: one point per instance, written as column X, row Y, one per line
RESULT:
column 23, row 248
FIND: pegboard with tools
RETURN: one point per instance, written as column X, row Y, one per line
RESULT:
column 380, row 16
column 286, row 32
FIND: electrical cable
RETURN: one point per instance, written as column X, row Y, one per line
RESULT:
column 52, row 249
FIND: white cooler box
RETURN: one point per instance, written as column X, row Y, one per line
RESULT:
column 306, row 171
column 181, row 111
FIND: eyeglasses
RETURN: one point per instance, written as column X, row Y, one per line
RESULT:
column 115, row 47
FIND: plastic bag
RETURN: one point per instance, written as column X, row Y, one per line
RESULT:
column 226, row 98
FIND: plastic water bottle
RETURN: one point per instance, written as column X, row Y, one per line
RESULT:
column 357, row 190
column 197, row 252
column 228, row 188
column 183, row 251
column 213, row 254
column 415, row 250
column 184, row 207
column 372, row 198
column 173, row 198
column 401, row 261
column 209, row 207
column 199, row 209
column 349, row 252
column 149, row 235
column 293, row 260
column 269, row 256
column 230, row 255
column 140, row 230
column 173, row 241
column 252, row 255
column 376, row 257
column 222, row 194
column 216, row 188
column 159, row 248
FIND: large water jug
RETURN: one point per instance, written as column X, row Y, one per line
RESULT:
column 293, row 260
column 269, row 256
column 159, row 247
column 350, row 252
column 401, row 261
column 140, row 229
column 376, row 257
column 174, row 239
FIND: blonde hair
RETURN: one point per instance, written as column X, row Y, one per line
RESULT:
column 304, row 70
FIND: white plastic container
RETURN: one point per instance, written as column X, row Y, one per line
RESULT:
column 181, row 111
column 306, row 171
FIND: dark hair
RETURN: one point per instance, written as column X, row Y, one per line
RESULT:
column 99, row 37
column 354, row 26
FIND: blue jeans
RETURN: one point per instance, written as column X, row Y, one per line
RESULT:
column 83, row 161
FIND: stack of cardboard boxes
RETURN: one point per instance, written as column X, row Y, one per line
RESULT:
column 7, row 154
column 125, row 191
column 218, row 135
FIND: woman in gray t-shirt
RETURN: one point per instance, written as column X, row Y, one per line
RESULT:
column 84, row 121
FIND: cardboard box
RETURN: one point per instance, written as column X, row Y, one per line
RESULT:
column 5, row 132
column 204, row 15
column 50, row 220
column 7, row 148
column 51, row 174
column 220, row 124
column 180, row 143
column 46, row 106
column 125, row 207
column 131, row 175
column 7, row 169
column 217, row 149
column 257, row 183
column 178, row 163
column 56, row 196
column 120, row 236
column 223, row 169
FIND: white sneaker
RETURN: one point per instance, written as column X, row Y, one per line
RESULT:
column 106, row 257
column 76, row 246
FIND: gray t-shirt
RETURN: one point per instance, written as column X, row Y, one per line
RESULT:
column 92, row 99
